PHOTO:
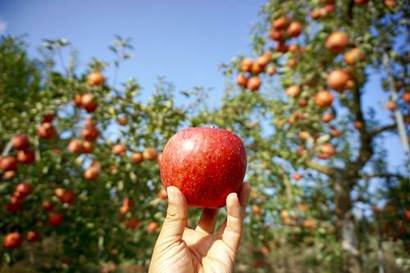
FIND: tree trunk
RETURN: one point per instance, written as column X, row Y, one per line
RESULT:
column 345, row 226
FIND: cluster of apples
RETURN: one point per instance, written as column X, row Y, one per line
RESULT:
column 9, row 166
column 24, row 154
column 149, row 154
column 337, row 80
column 127, row 205
column 328, row 7
column 87, row 101
column 132, row 222
column 282, row 29
column 46, row 130
column 90, row 132
column 56, row 218
column 391, row 105
column 297, row 218
column 85, row 144
column 341, row 79
column 22, row 190
column 394, row 218
column 15, row 239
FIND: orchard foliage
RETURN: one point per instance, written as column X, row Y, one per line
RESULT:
column 93, row 177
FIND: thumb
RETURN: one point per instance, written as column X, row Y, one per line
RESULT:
column 177, row 215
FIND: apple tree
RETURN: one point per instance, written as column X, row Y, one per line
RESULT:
column 79, row 160
column 307, row 103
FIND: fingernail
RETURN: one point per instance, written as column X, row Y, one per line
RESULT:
column 233, row 195
column 171, row 191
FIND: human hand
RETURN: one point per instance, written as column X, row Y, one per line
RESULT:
column 180, row 249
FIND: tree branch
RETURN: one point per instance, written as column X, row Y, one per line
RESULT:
column 382, row 129
column 350, row 12
column 366, row 150
column 320, row 168
column 382, row 175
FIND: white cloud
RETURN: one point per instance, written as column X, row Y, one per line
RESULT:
column 3, row 26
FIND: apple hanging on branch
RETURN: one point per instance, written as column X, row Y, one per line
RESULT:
column 206, row 164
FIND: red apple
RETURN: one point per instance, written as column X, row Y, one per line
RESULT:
column 407, row 214
column 246, row 65
column 282, row 47
column 150, row 153
column 68, row 197
column 242, row 80
column 406, row 96
column 47, row 206
column 8, row 163
column 119, row 149
column 127, row 204
column 122, row 120
column 361, row 2
column 206, row 164
column 90, row 133
column 265, row 58
column 46, row 131
column 12, row 240
column 293, row 91
column 324, row 99
column 75, row 146
column 88, row 102
column 294, row 29
column 132, row 223
column 136, row 158
column 391, row 105
column 297, row 176
column 280, row 23
column 88, row 147
column 77, row 101
column 48, row 118
column 59, row 192
column 254, row 83
column 277, row 35
column 316, row 14
column 337, row 41
column 55, row 219
column 9, row 175
column 20, row 142
column 26, row 156
column 23, row 189
column 92, row 173
column 327, row 117
column 152, row 227
column 326, row 151
column 33, row 236
column 95, row 78
column 14, row 205
column 338, row 79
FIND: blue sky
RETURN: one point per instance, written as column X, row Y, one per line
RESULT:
column 184, row 40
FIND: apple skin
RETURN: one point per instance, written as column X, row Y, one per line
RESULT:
column 206, row 164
